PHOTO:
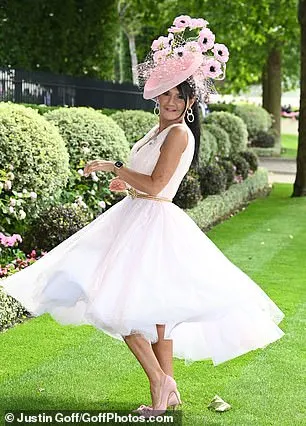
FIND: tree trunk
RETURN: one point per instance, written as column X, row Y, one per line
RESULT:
column 134, row 59
column 299, row 188
column 124, row 58
column 265, row 92
column 133, row 54
column 272, row 90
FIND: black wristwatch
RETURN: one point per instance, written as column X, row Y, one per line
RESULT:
column 118, row 164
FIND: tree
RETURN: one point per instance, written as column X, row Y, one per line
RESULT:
column 261, row 36
column 77, row 39
column 299, row 188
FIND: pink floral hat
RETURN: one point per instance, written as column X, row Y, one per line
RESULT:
column 176, row 58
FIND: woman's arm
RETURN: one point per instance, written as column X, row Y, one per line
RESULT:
column 171, row 152
column 135, row 179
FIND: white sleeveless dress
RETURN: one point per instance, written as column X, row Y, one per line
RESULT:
column 145, row 262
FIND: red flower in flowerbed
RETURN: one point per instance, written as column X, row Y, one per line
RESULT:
column 12, row 259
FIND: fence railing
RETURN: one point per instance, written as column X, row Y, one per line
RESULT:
column 50, row 89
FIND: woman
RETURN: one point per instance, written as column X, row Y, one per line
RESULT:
column 152, row 278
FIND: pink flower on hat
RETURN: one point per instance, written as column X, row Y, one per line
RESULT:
column 160, row 55
column 197, row 23
column 182, row 21
column 193, row 46
column 179, row 51
column 160, row 43
column 176, row 29
column 212, row 68
column 206, row 39
column 221, row 52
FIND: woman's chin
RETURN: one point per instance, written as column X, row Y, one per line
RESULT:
column 171, row 116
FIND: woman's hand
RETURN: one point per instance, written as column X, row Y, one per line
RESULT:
column 118, row 184
column 98, row 166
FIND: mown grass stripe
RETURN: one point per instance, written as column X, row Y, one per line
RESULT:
column 82, row 368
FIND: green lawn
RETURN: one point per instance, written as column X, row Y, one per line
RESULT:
column 289, row 144
column 48, row 366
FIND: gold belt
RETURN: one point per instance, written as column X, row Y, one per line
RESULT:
column 134, row 194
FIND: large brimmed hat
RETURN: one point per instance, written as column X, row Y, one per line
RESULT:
column 176, row 58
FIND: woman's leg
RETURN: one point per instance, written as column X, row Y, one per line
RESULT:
column 143, row 351
column 163, row 350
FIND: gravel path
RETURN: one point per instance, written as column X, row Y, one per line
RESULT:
column 280, row 170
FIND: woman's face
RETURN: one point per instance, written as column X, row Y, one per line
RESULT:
column 172, row 105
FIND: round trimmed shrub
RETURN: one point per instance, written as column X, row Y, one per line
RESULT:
column 11, row 311
column 234, row 126
column 54, row 225
column 222, row 139
column 242, row 166
column 229, row 170
column 89, row 135
column 36, row 150
column 255, row 117
column 41, row 109
column 189, row 192
column 208, row 147
column 222, row 106
column 135, row 124
column 251, row 158
column 212, row 180
column 264, row 139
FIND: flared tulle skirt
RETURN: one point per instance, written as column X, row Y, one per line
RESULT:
column 146, row 262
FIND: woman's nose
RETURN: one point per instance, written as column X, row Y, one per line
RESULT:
column 171, row 100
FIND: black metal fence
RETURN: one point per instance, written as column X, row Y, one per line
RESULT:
column 50, row 89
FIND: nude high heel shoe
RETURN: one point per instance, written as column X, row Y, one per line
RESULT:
column 169, row 396
column 172, row 402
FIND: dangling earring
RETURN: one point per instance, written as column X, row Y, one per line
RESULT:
column 190, row 116
column 156, row 108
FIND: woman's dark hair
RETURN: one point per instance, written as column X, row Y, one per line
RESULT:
column 188, row 92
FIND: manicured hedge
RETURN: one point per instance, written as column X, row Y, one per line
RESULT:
column 234, row 126
column 216, row 208
column 35, row 149
column 255, row 117
column 135, row 124
column 88, row 134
